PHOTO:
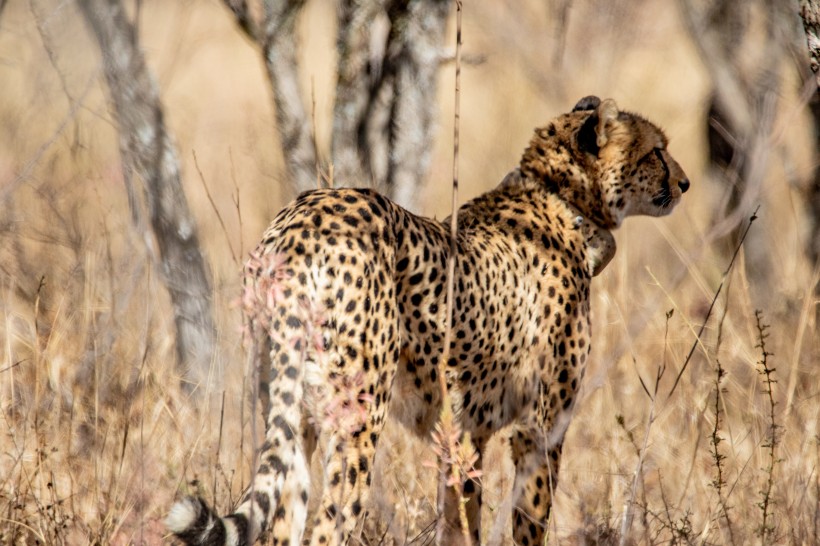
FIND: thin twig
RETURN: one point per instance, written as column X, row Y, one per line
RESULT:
column 235, row 197
column 213, row 206
column 697, row 341
column 315, row 144
column 626, row 522
column 219, row 441
column 7, row 368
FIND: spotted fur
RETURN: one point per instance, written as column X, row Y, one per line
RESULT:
column 354, row 325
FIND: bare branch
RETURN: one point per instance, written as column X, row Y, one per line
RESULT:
column 244, row 18
column 149, row 153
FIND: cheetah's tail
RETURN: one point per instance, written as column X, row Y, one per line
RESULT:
column 196, row 524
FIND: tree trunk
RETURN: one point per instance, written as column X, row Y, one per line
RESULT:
column 279, row 50
column 389, row 52
column 384, row 116
column 359, row 70
column 149, row 153
column 413, row 58
column 810, row 13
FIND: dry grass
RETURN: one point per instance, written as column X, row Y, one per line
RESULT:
column 95, row 437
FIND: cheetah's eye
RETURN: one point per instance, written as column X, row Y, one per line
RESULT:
column 649, row 155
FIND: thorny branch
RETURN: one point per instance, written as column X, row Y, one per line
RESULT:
column 767, row 528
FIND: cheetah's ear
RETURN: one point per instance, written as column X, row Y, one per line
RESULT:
column 592, row 135
column 607, row 111
column 590, row 102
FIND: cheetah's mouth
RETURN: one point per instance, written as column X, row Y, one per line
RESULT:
column 663, row 199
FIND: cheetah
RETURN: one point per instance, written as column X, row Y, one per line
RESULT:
column 355, row 290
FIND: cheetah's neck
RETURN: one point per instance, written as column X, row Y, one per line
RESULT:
column 599, row 244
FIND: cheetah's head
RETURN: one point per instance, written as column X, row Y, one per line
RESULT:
column 607, row 163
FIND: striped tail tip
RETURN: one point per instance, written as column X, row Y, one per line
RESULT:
column 196, row 524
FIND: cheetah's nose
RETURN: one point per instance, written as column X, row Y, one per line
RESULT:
column 683, row 185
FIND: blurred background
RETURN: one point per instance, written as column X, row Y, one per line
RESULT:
column 144, row 147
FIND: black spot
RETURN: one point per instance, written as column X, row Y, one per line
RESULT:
column 366, row 216
column 563, row 376
column 280, row 423
column 294, row 322
column 277, row 465
column 262, row 501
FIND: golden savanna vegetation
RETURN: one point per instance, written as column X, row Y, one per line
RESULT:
column 97, row 438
